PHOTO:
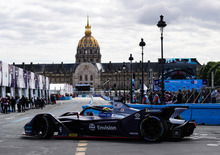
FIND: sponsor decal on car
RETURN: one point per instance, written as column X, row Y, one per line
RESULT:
column 73, row 134
column 137, row 116
column 106, row 127
column 91, row 127
column 133, row 133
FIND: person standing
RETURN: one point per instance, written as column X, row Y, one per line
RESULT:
column 5, row 105
column 179, row 97
column 156, row 99
column 23, row 103
column 145, row 99
column 13, row 103
column 18, row 102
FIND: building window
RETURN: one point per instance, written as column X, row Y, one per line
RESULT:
column 90, row 60
column 80, row 78
column 91, row 78
column 86, row 78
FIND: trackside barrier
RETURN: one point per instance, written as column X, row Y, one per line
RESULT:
column 208, row 114
column 65, row 98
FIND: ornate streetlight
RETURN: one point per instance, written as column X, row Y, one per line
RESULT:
column 161, row 24
column 115, row 85
column 142, row 44
column 123, row 68
column 119, row 81
column 131, row 91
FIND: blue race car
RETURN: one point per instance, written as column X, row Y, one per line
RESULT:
column 121, row 121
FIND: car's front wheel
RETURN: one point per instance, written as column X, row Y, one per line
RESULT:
column 44, row 127
column 152, row 128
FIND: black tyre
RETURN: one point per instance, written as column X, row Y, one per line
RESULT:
column 152, row 128
column 44, row 128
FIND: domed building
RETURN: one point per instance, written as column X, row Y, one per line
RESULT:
column 87, row 56
column 88, row 49
column 90, row 72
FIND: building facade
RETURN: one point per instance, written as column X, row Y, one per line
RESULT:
column 88, row 69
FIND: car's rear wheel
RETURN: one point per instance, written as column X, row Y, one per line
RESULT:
column 44, row 127
column 153, row 128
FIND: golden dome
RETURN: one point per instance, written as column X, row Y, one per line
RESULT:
column 88, row 40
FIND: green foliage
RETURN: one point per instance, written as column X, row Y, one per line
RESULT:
column 205, row 72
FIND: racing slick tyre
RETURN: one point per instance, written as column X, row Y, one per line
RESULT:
column 44, row 128
column 153, row 128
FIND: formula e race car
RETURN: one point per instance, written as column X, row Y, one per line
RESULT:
column 121, row 121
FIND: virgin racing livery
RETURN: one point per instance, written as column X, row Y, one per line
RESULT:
column 119, row 122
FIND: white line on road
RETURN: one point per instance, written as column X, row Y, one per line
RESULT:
column 81, row 148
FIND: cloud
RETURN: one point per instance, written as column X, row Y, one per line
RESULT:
column 179, row 12
column 47, row 28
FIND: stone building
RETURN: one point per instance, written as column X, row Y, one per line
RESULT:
column 88, row 69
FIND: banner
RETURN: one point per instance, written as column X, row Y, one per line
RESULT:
column 36, row 79
column 20, row 78
column 11, row 77
column 40, row 81
column 175, row 85
column 0, row 73
column 25, row 76
column 47, row 84
column 5, row 74
column 31, row 80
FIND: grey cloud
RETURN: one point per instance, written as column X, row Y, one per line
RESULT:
column 180, row 12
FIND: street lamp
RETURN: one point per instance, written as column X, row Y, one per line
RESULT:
column 115, row 85
column 119, row 82
column 123, row 68
column 131, row 91
column 142, row 44
column 161, row 24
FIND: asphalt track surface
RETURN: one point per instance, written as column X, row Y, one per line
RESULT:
column 204, row 141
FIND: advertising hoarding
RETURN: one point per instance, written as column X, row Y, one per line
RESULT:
column 175, row 85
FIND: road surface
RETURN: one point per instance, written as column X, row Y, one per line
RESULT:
column 205, row 140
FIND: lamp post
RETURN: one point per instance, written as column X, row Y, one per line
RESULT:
column 161, row 24
column 142, row 44
column 115, row 85
column 119, row 81
column 123, row 68
column 131, row 91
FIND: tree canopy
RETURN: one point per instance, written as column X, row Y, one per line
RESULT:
column 206, row 71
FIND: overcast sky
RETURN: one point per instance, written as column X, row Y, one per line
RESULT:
column 48, row 31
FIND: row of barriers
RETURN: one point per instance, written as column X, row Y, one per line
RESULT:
column 207, row 114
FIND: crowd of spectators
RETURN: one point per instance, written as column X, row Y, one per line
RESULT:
column 182, row 96
column 21, row 104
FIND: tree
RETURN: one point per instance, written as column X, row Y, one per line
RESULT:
column 206, row 71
